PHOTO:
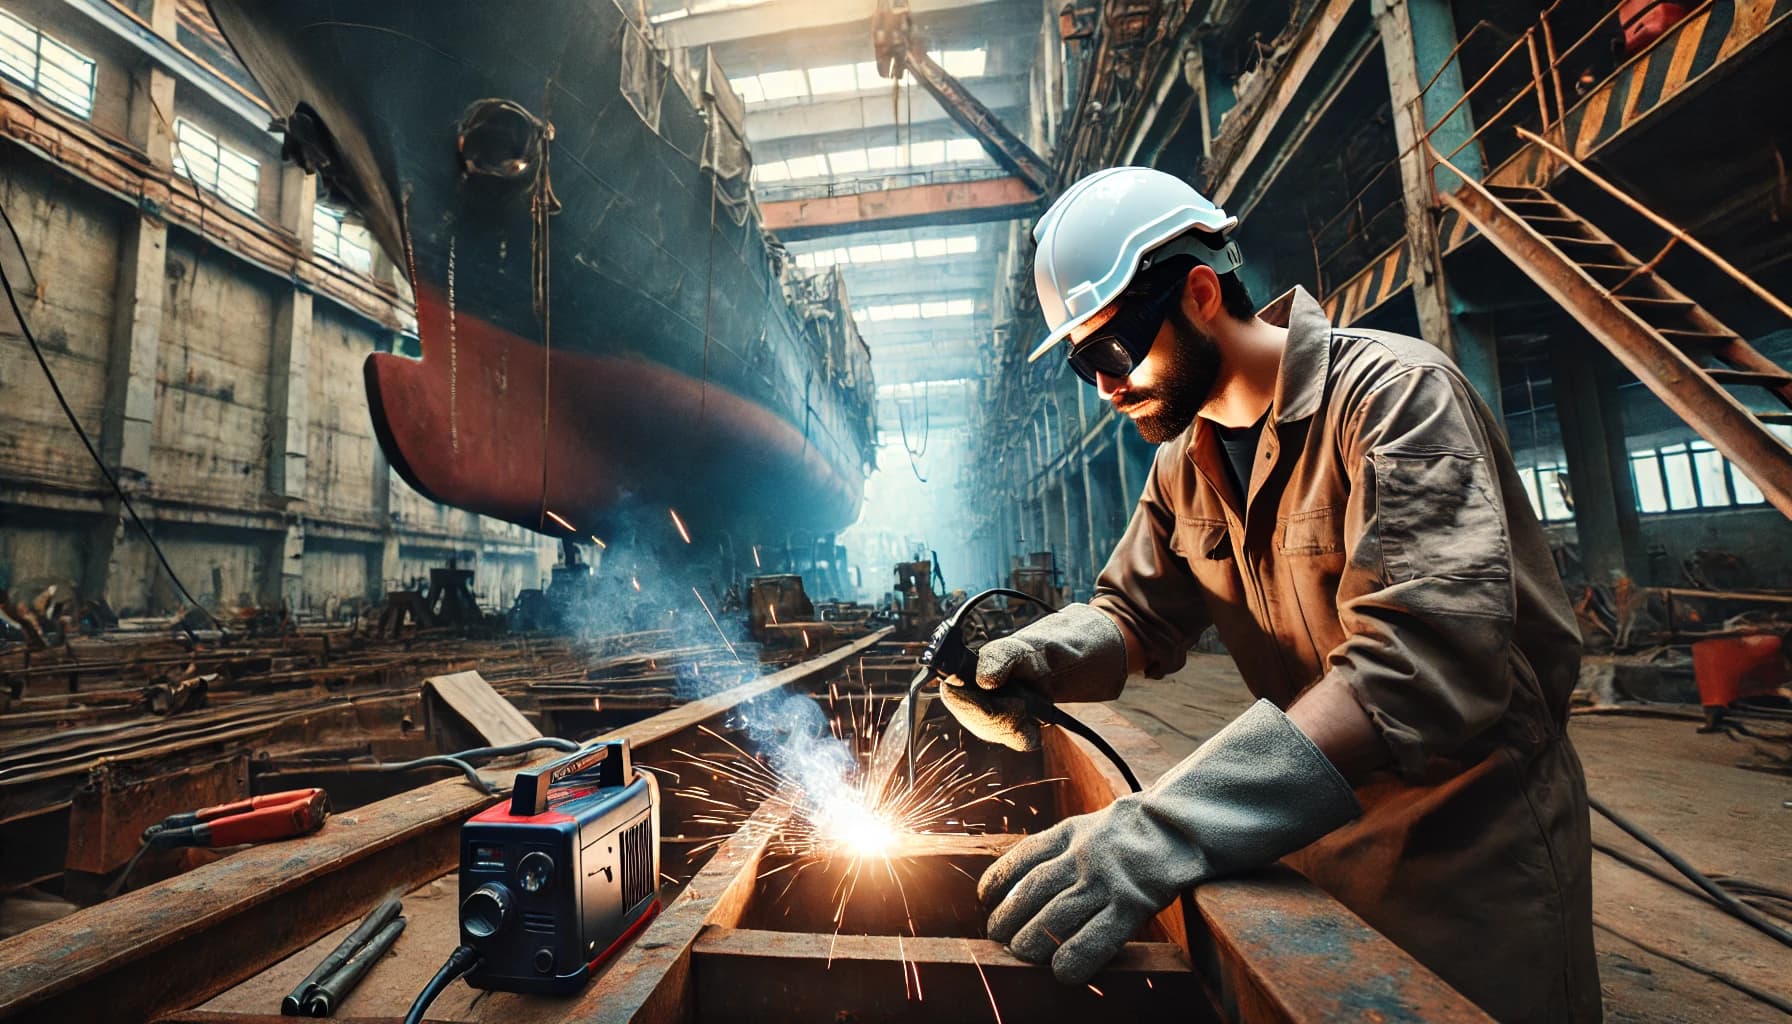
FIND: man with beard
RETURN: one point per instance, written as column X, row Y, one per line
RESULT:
column 1343, row 508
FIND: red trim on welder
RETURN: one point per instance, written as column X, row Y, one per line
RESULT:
column 653, row 911
column 499, row 814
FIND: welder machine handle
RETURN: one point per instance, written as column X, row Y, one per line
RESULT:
column 947, row 654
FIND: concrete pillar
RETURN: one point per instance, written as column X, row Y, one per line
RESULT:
column 1606, row 519
column 1416, row 39
column 289, row 393
column 127, row 425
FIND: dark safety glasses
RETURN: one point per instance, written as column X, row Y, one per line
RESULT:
column 1123, row 342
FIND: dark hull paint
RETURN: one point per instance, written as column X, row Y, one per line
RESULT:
column 676, row 372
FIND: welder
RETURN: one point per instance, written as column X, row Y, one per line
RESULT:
column 1343, row 508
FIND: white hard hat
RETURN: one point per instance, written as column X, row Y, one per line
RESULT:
column 1106, row 228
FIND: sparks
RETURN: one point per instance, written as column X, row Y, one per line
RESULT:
column 601, row 546
column 555, row 516
column 846, row 820
column 756, row 564
column 718, row 625
column 682, row 532
column 635, row 581
column 1097, row 991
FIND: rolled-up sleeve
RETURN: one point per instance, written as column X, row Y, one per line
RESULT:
column 1147, row 587
column 1427, row 597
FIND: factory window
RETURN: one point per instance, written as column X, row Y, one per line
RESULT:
column 1692, row 475
column 212, row 165
column 1544, row 486
column 39, row 62
column 342, row 239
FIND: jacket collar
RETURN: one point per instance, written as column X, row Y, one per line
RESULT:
column 1306, row 362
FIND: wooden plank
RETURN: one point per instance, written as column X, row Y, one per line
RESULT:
column 746, row 976
column 466, row 696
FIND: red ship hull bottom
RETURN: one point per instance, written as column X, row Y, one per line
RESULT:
column 465, row 426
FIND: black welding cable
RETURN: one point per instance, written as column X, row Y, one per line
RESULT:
column 1723, row 899
column 106, row 471
column 460, row 761
column 458, row 963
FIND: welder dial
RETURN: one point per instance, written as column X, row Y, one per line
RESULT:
column 534, row 872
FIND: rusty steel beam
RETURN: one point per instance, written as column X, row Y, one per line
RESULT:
column 774, row 977
column 963, row 202
column 1674, row 377
column 1284, row 950
column 175, row 944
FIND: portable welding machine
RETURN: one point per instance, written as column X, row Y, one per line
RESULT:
column 555, row 882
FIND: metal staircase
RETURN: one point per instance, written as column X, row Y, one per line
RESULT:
column 1686, row 356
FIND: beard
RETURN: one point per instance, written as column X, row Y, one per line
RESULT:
column 1184, row 382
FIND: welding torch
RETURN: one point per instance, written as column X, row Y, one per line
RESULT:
column 948, row 654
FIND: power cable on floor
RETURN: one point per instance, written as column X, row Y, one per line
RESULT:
column 1727, row 902
column 1779, row 1003
column 124, row 499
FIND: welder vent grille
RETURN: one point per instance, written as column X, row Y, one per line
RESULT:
column 637, row 862
column 538, row 922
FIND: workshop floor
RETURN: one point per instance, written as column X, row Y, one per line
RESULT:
column 1683, row 787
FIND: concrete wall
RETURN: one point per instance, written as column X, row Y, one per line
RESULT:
column 217, row 376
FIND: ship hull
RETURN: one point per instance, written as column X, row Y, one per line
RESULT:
column 634, row 348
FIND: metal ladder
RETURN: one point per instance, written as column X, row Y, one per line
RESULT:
column 1686, row 356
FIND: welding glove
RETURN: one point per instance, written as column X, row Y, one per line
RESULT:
column 1074, row 894
column 1075, row 653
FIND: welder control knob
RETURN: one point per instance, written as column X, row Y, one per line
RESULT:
column 535, row 871
column 544, row 961
column 483, row 912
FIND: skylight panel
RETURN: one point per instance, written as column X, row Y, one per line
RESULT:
column 964, row 63
column 961, row 244
column 964, row 151
column 776, row 170
column 807, row 167
column 849, row 161
column 884, row 157
column 897, row 251
column 924, row 154
column 832, row 79
column 748, row 89
column 862, row 254
column 784, row 85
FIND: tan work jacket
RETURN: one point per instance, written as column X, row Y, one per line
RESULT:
column 1387, row 542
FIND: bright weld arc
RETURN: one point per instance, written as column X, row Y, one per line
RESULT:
column 835, row 816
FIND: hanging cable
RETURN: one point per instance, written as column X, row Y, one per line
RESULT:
column 74, row 421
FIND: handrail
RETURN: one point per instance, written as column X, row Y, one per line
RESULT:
column 1661, row 222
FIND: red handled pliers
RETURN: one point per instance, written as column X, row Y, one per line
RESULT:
column 295, row 812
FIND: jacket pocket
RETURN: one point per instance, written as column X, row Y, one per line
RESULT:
column 1438, row 519
column 1314, row 532
column 1206, row 545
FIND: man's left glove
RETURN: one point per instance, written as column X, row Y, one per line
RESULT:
column 1074, row 894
